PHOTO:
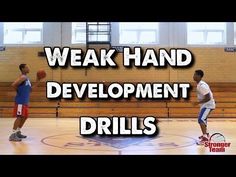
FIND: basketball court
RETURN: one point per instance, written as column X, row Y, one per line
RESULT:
column 53, row 124
column 60, row 137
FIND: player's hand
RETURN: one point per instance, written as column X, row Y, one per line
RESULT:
column 38, row 79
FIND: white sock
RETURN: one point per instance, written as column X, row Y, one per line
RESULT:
column 207, row 131
column 205, row 135
column 18, row 129
column 14, row 131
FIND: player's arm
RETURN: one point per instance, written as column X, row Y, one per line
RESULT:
column 36, row 84
column 18, row 81
column 206, row 98
column 206, row 92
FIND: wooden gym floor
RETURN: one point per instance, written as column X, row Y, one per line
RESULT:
column 60, row 136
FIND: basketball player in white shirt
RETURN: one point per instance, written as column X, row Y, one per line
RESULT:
column 206, row 102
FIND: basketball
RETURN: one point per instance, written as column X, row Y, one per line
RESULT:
column 41, row 74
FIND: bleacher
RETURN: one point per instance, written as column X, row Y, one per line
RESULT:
column 40, row 106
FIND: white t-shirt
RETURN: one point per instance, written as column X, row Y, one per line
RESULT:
column 203, row 89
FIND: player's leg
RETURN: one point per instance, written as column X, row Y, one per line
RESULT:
column 17, row 113
column 22, row 121
column 203, row 128
column 202, row 120
column 17, row 123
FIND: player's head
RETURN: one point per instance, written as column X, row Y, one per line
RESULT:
column 24, row 68
column 198, row 75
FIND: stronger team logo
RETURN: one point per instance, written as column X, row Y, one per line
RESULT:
column 217, row 143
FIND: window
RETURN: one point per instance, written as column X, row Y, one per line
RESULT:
column 234, row 33
column 23, row 33
column 206, row 33
column 78, row 33
column 97, row 32
column 139, row 33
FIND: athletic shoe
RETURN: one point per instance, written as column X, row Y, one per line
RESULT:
column 202, row 141
column 19, row 135
column 14, row 137
column 208, row 136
